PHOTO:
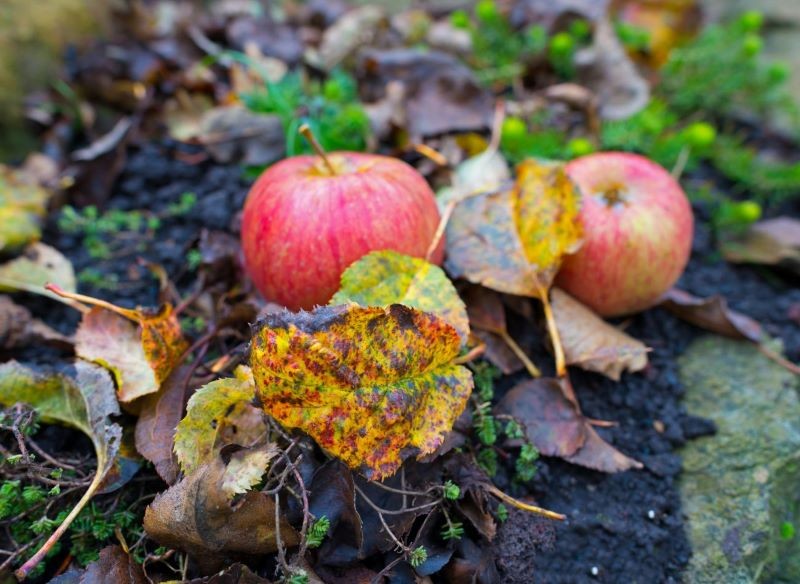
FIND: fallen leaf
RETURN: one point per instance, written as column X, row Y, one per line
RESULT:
column 333, row 495
column 547, row 12
column 196, row 516
column 774, row 242
column 85, row 402
column 246, row 467
column 23, row 204
column 141, row 349
column 552, row 422
column 357, row 28
column 598, row 454
column 94, row 169
column 235, row 574
column 441, row 93
column 513, row 241
column 607, row 70
column 183, row 114
column 218, row 414
column 18, row 328
column 387, row 277
column 37, row 266
column 158, row 417
column 712, row 314
column 235, row 135
column 371, row 385
column 113, row 565
column 591, row 343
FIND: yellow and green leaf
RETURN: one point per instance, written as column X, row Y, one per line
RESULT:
column 371, row 385
column 23, row 204
column 386, row 277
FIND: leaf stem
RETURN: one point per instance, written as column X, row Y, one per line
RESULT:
column 306, row 132
column 473, row 353
column 524, row 506
column 22, row 572
column 129, row 314
column 782, row 361
column 517, row 350
column 558, row 349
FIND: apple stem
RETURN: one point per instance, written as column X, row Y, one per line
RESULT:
column 306, row 132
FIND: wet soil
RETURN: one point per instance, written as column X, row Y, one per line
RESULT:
column 626, row 527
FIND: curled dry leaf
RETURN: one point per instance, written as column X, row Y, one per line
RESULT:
column 386, row 277
column 158, row 417
column 195, row 515
column 608, row 71
column 513, row 241
column 552, row 423
column 18, row 328
column 218, row 414
column 84, row 400
column 37, row 266
column 712, row 314
column 371, row 385
column 141, row 349
column 591, row 343
column 774, row 242
column 22, row 206
column 555, row 426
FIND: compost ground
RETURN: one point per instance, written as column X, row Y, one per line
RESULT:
column 626, row 527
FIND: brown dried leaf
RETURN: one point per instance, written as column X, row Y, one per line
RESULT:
column 357, row 28
column 774, row 242
column 18, row 328
column 441, row 93
column 712, row 314
column 488, row 318
column 155, row 429
column 235, row 574
column 196, row 516
column 552, row 422
column 591, row 343
column 114, row 565
column 598, row 454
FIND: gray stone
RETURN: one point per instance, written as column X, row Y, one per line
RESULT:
column 740, row 485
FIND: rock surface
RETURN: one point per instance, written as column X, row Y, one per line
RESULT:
column 740, row 487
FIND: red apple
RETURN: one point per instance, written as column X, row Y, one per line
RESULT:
column 307, row 218
column 638, row 228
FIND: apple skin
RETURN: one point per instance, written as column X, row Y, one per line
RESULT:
column 303, row 226
column 635, row 248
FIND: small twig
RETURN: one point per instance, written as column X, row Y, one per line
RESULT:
column 517, row 350
column 397, row 511
column 524, row 506
column 780, row 360
column 473, row 354
column 680, row 164
column 386, row 527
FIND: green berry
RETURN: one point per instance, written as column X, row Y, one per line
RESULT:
column 778, row 71
column 700, row 135
column 752, row 44
column 748, row 211
column 514, row 129
column 787, row 531
column 332, row 90
column 459, row 19
column 752, row 20
column 580, row 29
column 486, row 10
column 562, row 44
column 579, row 147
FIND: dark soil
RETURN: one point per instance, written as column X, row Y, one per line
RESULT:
column 621, row 528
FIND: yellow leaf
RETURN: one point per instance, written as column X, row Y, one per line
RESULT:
column 371, row 385
column 22, row 206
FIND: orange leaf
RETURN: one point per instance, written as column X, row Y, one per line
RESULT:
column 371, row 385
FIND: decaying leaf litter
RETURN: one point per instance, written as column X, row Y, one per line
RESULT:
column 245, row 486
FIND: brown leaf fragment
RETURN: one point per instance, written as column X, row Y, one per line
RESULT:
column 591, row 343
column 552, row 422
column 498, row 353
column 712, row 314
column 774, row 242
column 357, row 28
column 235, row 574
column 114, row 565
column 155, row 429
column 18, row 328
column 196, row 516
column 598, row 454
column 441, row 93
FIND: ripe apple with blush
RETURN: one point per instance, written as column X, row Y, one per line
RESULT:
column 638, row 229
column 307, row 218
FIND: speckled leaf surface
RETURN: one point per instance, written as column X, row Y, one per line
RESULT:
column 386, row 277
column 371, row 385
